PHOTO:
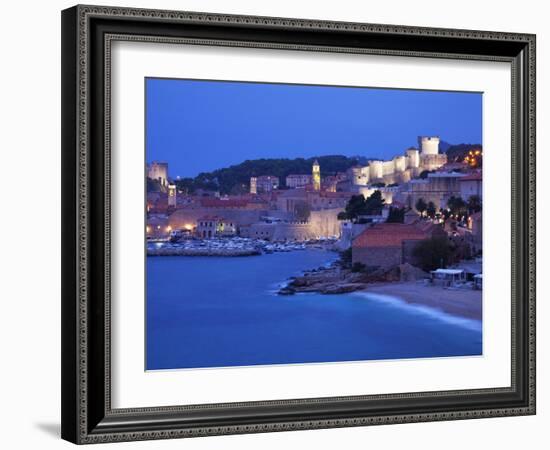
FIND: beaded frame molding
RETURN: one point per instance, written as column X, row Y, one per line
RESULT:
column 87, row 35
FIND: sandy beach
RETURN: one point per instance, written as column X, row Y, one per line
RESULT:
column 459, row 302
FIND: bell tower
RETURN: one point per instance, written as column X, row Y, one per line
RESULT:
column 316, row 176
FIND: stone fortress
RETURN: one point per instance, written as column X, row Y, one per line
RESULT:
column 403, row 168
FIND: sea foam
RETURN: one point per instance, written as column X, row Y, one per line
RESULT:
column 415, row 308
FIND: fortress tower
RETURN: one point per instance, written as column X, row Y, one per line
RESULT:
column 376, row 170
column 414, row 157
column 430, row 158
column 159, row 171
column 429, row 145
column 316, row 176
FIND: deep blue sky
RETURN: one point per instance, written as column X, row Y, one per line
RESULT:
column 200, row 126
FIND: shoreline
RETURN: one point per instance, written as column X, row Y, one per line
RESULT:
column 231, row 247
column 174, row 251
column 466, row 303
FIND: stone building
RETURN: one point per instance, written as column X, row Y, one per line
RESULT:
column 289, row 201
column 266, row 183
column 158, row 171
column 186, row 218
column 390, row 244
column 471, row 185
column 294, row 181
column 437, row 187
column 214, row 226
column 320, row 224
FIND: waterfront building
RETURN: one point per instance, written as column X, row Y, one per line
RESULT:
column 214, row 226
column 316, row 176
column 390, row 244
column 158, row 171
column 183, row 218
column 294, row 181
column 320, row 224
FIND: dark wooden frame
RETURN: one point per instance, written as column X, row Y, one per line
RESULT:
column 87, row 31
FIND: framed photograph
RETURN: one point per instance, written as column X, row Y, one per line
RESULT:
column 278, row 224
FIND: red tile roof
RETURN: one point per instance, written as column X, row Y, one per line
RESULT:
column 390, row 235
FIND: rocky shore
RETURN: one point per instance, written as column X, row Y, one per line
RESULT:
column 339, row 280
column 400, row 282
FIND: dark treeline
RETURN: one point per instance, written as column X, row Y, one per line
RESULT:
column 235, row 179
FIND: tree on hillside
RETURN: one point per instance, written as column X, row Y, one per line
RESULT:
column 354, row 208
column 431, row 210
column 456, row 153
column 457, row 206
column 432, row 253
column 474, row 204
column 359, row 206
column 396, row 215
column 374, row 203
column 421, row 206
column 445, row 213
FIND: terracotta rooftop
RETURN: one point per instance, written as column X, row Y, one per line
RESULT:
column 389, row 235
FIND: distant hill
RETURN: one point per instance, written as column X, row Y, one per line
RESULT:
column 235, row 179
column 456, row 153
column 444, row 146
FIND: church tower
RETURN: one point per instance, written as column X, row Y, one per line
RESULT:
column 316, row 176
column 253, row 185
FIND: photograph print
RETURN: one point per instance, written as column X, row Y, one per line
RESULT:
column 298, row 224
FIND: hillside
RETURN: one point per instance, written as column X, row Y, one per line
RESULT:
column 456, row 153
column 235, row 179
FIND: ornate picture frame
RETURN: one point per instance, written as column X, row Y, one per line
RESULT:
column 87, row 35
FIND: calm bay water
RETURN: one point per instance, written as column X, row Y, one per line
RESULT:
column 215, row 312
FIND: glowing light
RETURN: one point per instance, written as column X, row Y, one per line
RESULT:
column 168, row 228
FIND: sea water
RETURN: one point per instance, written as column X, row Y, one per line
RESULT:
column 225, row 311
